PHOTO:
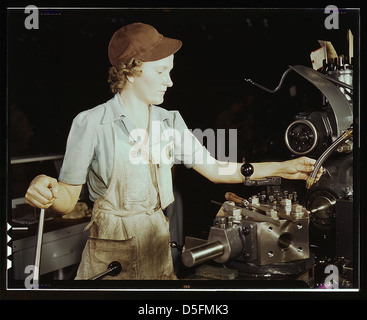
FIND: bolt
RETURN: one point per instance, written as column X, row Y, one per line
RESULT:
column 272, row 213
column 245, row 231
column 298, row 215
column 246, row 255
column 297, row 208
column 254, row 200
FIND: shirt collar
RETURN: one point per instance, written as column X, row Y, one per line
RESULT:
column 116, row 110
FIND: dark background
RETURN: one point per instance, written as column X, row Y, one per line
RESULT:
column 61, row 69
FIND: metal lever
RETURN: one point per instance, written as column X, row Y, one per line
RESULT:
column 113, row 269
column 247, row 169
column 37, row 259
column 269, row 90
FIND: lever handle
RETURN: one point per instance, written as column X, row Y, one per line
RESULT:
column 247, row 169
column 230, row 196
column 113, row 269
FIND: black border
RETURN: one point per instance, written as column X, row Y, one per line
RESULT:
column 167, row 295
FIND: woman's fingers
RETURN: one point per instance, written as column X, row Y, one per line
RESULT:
column 42, row 192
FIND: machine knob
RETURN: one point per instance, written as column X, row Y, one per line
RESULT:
column 247, row 169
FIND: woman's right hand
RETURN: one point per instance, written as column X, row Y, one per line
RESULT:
column 42, row 192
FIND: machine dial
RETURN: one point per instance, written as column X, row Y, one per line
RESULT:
column 301, row 137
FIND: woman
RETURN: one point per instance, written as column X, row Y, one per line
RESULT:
column 121, row 149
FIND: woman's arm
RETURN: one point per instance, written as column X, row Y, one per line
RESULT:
column 46, row 192
column 230, row 172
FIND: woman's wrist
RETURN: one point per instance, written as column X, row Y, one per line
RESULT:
column 278, row 169
column 266, row 169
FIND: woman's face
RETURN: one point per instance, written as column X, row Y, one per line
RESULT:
column 154, row 80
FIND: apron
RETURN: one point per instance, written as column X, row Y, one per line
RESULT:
column 128, row 224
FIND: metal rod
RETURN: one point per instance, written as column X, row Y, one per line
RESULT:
column 113, row 269
column 202, row 253
column 37, row 260
column 35, row 159
column 269, row 90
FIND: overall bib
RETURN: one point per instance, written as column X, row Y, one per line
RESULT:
column 128, row 224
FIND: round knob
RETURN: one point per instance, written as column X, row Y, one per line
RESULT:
column 247, row 169
column 115, row 268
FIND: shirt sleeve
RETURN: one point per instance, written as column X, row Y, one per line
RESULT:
column 188, row 149
column 79, row 150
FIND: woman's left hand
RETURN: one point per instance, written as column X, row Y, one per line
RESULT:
column 299, row 168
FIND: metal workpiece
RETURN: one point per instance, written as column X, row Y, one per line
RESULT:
column 202, row 253
column 230, row 239
column 223, row 243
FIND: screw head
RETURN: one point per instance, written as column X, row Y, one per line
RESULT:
column 246, row 255
column 245, row 231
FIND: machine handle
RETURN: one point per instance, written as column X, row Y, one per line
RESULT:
column 113, row 269
column 37, row 259
column 230, row 196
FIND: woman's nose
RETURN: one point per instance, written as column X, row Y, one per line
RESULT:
column 168, row 81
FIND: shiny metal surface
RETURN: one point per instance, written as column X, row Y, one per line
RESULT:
column 301, row 137
column 288, row 242
column 37, row 259
column 202, row 253
column 342, row 109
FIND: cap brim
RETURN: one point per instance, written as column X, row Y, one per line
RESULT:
column 163, row 49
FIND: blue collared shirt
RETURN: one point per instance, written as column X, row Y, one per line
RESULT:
column 89, row 152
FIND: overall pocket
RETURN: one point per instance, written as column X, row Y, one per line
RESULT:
column 104, row 251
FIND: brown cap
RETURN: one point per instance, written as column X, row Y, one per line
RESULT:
column 140, row 41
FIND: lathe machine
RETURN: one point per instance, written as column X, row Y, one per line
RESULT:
column 274, row 235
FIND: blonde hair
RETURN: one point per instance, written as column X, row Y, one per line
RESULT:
column 117, row 76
